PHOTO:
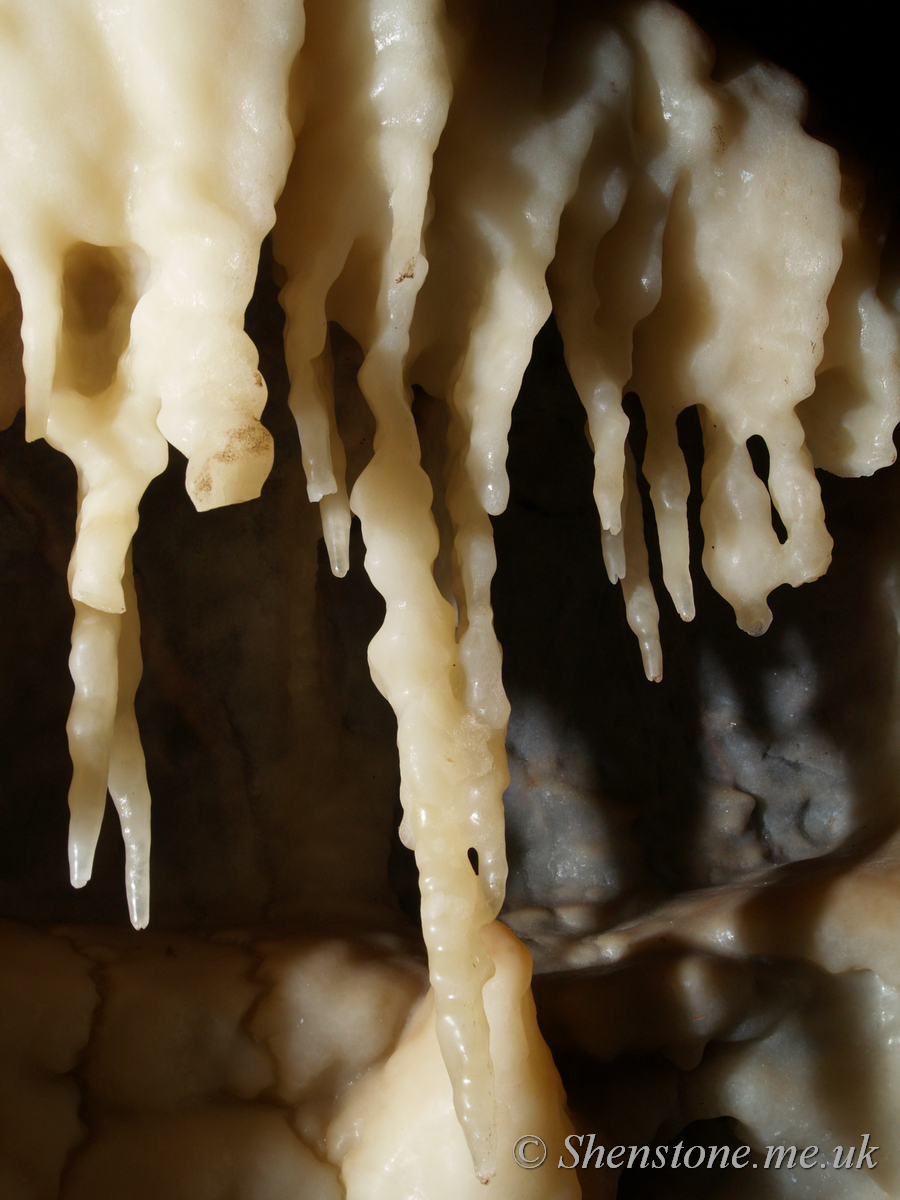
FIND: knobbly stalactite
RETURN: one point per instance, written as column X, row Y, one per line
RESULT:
column 437, row 180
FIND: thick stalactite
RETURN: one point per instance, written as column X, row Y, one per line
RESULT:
column 704, row 868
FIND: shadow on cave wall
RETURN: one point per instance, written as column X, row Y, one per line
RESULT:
column 610, row 807
column 608, row 771
column 750, row 752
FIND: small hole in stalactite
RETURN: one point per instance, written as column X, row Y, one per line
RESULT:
column 472, row 854
column 98, row 298
column 759, row 457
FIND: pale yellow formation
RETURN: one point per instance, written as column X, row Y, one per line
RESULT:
column 625, row 192
column 407, row 1104
column 350, row 233
column 754, row 245
column 441, row 198
column 696, row 265
column 823, row 1071
column 210, row 1067
column 139, row 181
column 255, row 1069
column 635, row 180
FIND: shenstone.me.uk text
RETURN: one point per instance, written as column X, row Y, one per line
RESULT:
column 583, row 1150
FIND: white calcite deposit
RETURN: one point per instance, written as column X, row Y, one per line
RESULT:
column 704, row 870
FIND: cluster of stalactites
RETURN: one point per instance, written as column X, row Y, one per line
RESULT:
column 143, row 148
column 700, row 249
column 456, row 168
column 712, row 256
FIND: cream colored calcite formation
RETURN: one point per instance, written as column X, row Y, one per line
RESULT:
column 696, row 264
column 408, row 1104
column 446, row 176
column 48, row 999
column 776, row 1002
column 255, row 1069
column 193, row 1082
column 653, row 160
column 133, row 239
column 378, row 89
